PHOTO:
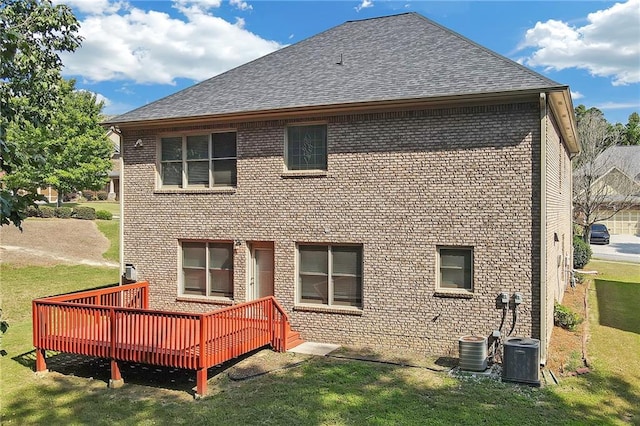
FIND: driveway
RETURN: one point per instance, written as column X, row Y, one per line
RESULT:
column 622, row 248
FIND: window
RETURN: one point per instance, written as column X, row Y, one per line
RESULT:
column 306, row 147
column 207, row 269
column 455, row 268
column 330, row 275
column 198, row 161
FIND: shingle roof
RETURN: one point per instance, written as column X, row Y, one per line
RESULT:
column 625, row 158
column 396, row 57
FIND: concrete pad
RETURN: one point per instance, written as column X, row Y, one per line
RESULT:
column 313, row 348
column 622, row 248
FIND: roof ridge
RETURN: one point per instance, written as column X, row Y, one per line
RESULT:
column 380, row 17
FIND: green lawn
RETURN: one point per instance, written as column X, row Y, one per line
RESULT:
column 111, row 230
column 321, row 391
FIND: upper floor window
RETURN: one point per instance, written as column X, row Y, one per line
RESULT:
column 455, row 268
column 306, row 147
column 330, row 275
column 198, row 161
column 207, row 269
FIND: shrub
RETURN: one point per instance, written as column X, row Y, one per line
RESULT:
column 64, row 212
column 32, row 211
column 102, row 195
column 578, row 230
column 564, row 317
column 47, row 211
column 86, row 213
column 104, row 215
column 89, row 195
column 581, row 253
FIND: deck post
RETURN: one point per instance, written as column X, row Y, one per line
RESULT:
column 41, row 363
column 116, row 378
column 201, row 382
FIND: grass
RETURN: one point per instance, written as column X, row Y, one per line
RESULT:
column 320, row 391
column 111, row 230
column 613, row 386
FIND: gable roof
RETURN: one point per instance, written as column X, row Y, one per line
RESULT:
column 625, row 158
column 399, row 57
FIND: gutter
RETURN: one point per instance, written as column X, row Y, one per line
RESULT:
column 448, row 101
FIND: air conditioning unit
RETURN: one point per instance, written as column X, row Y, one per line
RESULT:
column 473, row 353
column 521, row 362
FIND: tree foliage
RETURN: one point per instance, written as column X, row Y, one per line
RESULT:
column 32, row 33
column 75, row 146
column 632, row 130
column 598, row 191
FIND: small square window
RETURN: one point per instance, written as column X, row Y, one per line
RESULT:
column 306, row 147
column 330, row 275
column 207, row 269
column 455, row 268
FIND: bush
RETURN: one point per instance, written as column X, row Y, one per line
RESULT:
column 32, row 211
column 581, row 253
column 564, row 317
column 64, row 212
column 89, row 195
column 47, row 211
column 104, row 215
column 577, row 230
column 86, row 213
column 102, row 196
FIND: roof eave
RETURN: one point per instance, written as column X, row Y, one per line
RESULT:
column 562, row 108
column 337, row 109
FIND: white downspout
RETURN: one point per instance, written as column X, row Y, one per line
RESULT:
column 121, row 185
column 544, row 341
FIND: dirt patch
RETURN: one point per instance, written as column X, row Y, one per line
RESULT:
column 48, row 242
column 566, row 348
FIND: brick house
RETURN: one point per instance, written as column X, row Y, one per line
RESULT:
column 386, row 180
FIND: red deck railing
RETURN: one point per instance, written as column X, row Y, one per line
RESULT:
column 116, row 323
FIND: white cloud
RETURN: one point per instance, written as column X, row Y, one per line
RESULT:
column 240, row 4
column 102, row 98
column 154, row 47
column 94, row 7
column 607, row 46
column 364, row 5
column 576, row 95
column 199, row 4
column 618, row 105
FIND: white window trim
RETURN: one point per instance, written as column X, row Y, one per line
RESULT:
column 185, row 185
column 304, row 172
column 440, row 289
column 329, row 305
column 181, row 294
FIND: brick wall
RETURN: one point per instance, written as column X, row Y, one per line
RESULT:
column 400, row 184
column 558, row 229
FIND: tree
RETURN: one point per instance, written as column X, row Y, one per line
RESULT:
column 32, row 32
column 598, row 194
column 632, row 130
column 75, row 146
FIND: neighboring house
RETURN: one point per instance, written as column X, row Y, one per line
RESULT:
column 618, row 168
column 386, row 180
column 113, row 187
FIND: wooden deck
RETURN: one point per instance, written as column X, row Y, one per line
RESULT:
column 116, row 323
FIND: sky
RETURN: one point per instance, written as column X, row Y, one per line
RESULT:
column 136, row 52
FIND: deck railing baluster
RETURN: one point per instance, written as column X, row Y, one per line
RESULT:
column 116, row 323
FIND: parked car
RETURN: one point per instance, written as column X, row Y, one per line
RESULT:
column 599, row 234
